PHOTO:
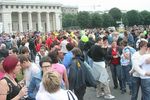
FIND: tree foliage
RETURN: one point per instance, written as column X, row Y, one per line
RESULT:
column 116, row 14
column 84, row 19
column 145, row 17
column 97, row 20
column 69, row 20
column 133, row 17
column 124, row 19
column 107, row 20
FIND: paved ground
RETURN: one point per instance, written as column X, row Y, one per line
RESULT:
column 91, row 93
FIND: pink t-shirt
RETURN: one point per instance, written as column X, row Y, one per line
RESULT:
column 60, row 68
column 1, row 75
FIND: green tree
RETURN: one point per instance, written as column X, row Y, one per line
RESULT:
column 69, row 20
column 124, row 19
column 133, row 17
column 107, row 20
column 116, row 15
column 84, row 19
column 97, row 20
column 145, row 17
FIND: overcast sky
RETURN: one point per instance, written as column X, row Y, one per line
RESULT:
column 108, row 4
column 103, row 4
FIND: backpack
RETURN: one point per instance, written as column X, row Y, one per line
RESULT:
column 76, row 75
column 70, row 95
column 81, row 45
column 79, row 75
column 31, row 43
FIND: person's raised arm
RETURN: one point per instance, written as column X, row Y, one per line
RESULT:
column 136, row 65
column 65, row 77
column 22, row 93
column 3, row 90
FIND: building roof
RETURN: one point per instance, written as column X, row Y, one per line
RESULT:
column 68, row 6
column 30, row 2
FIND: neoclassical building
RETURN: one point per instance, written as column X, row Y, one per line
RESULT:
column 22, row 16
column 70, row 9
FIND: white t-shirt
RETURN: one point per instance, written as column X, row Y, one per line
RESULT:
column 31, row 72
column 59, row 95
column 27, row 45
column 135, row 65
column 63, row 46
column 145, row 67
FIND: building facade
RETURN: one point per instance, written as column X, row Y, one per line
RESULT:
column 19, row 16
column 70, row 9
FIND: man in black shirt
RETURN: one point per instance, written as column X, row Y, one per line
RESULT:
column 97, row 53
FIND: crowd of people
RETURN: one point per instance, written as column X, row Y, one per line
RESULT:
column 60, row 65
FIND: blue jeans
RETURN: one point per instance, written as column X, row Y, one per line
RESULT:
column 116, row 74
column 85, row 56
column 145, row 86
column 90, row 61
column 136, row 82
column 127, row 77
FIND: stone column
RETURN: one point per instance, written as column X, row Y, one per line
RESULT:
column 60, row 17
column 54, row 21
column 47, row 22
column 30, row 21
column 20, row 21
column 58, row 21
column 7, row 22
column 39, row 21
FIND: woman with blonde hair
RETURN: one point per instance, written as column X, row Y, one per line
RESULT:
column 45, row 64
column 50, row 88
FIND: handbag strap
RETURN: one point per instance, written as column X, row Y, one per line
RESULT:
column 69, row 93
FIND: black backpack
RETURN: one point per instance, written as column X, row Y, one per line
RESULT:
column 32, row 44
column 79, row 75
